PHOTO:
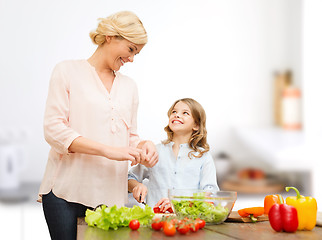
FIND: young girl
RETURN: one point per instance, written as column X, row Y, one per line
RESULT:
column 184, row 158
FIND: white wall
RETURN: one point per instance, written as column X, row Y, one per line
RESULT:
column 312, row 85
column 221, row 52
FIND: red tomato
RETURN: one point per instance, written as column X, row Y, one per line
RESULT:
column 157, row 225
column 169, row 229
column 194, row 226
column 174, row 221
column 170, row 210
column 156, row 210
column 134, row 224
column 201, row 223
column 183, row 228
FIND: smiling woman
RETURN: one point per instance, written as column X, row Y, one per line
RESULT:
column 90, row 124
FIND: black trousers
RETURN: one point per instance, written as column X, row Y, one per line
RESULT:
column 61, row 216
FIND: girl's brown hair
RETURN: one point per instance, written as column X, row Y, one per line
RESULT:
column 198, row 139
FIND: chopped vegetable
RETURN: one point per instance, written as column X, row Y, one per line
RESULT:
column 200, row 209
column 252, row 212
column 113, row 217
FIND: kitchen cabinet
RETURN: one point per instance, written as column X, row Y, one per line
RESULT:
column 34, row 223
column 22, row 220
column 10, row 222
column 284, row 153
column 282, row 149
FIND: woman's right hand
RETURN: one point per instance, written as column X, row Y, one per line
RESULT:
column 87, row 146
column 139, row 192
column 124, row 154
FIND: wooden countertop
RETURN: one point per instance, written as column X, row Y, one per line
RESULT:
column 227, row 230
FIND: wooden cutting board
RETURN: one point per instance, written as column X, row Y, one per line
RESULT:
column 234, row 217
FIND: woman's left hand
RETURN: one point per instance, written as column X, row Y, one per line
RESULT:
column 149, row 156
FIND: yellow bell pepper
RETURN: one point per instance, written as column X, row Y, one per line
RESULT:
column 306, row 209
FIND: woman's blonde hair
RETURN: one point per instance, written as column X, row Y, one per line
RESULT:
column 122, row 24
column 198, row 139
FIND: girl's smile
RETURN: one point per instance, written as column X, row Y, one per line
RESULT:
column 181, row 120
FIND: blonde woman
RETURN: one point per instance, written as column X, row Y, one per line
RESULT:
column 184, row 158
column 90, row 123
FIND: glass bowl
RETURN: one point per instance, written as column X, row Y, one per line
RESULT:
column 212, row 206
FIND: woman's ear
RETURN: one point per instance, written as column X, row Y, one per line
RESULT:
column 108, row 39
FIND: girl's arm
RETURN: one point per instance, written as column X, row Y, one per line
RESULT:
column 135, row 176
column 139, row 190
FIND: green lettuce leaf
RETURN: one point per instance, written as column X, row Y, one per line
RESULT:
column 113, row 217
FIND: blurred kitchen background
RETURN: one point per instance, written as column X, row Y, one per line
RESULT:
column 253, row 64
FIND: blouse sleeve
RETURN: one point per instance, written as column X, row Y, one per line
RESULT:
column 134, row 137
column 57, row 131
column 208, row 179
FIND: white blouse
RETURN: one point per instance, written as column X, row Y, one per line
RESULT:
column 78, row 104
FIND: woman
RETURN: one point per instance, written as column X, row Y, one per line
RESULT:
column 90, row 124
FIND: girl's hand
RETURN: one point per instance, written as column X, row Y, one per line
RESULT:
column 139, row 192
column 164, row 204
column 124, row 154
column 149, row 155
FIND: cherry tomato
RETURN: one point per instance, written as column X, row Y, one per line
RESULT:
column 194, row 226
column 183, row 228
column 174, row 221
column 201, row 223
column 134, row 224
column 156, row 210
column 157, row 225
column 170, row 210
column 169, row 229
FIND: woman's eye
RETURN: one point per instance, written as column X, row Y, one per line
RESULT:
column 186, row 113
column 131, row 49
column 173, row 111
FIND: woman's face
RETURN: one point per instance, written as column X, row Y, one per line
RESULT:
column 120, row 51
column 181, row 120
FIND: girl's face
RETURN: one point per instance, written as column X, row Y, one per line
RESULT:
column 181, row 120
column 120, row 51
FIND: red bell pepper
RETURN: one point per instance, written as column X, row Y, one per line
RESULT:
column 283, row 217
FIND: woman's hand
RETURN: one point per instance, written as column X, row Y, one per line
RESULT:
column 164, row 204
column 139, row 192
column 149, row 155
column 124, row 154
column 87, row 146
